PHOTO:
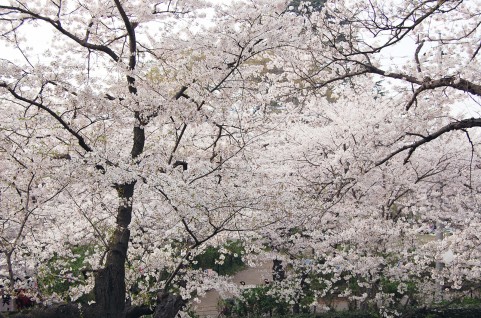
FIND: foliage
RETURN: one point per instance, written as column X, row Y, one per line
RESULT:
column 349, row 314
column 59, row 274
column 394, row 287
column 469, row 312
column 254, row 302
column 227, row 262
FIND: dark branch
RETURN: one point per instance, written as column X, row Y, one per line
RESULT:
column 448, row 81
column 181, row 93
column 416, row 55
column 177, row 142
column 80, row 139
column 180, row 163
column 131, row 32
column 460, row 125
column 190, row 232
column 57, row 25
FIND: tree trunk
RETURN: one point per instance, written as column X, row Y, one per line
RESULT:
column 168, row 305
column 110, row 281
column 10, row 268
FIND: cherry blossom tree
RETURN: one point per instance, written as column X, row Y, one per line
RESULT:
column 359, row 229
column 139, row 133
column 351, row 165
column 135, row 124
column 439, row 45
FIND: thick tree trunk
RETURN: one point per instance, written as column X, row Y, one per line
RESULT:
column 168, row 305
column 10, row 268
column 110, row 280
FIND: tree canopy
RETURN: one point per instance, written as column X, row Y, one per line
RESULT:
column 138, row 137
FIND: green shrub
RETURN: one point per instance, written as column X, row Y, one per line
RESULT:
column 231, row 264
column 255, row 302
column 59, row 274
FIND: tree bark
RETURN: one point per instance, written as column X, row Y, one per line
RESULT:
column 168, row 305
column 110, row 287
